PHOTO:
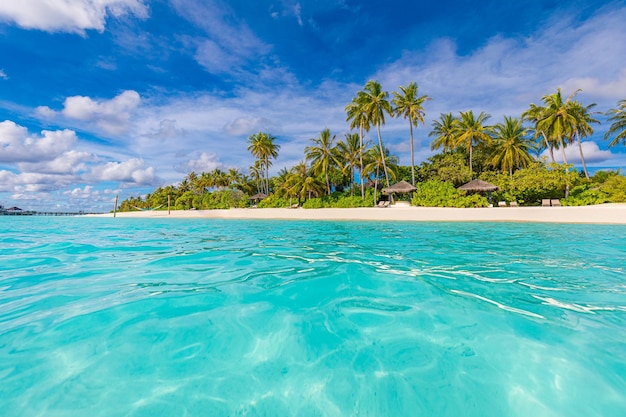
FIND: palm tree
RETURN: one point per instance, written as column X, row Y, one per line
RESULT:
column 357, row 116
column 301, row 184
column 262, row 146
column 409, row 105
column 375, row 105
column 558, row 118
column 511, row 145
column 375, row 161
column 581, row 128
column 350, row 154
column 444, row 132
column 535, row 114
column 470, row 131
column 618, row 124
column 321, row 155
column 257, row 172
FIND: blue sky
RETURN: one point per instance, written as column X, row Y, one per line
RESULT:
column 107, row 97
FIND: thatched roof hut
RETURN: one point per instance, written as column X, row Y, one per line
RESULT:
column 400, row 187
column 478, row 186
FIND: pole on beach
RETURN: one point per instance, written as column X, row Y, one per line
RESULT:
column 115, row 207
column 168, row 203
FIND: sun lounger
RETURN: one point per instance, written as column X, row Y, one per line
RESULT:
column 545, row 202
column 501, row 203
column 383, row 204
column 513, row 204
column 556, row 202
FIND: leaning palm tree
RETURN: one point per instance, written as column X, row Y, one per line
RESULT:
column 375, row 103
column 410, row 106
column 470, row 130
column 582, row 128
column 512, row 146
column 618, row 124
column 535, row 114
column 357, row 116
column 321, row 155
column 558, row 118
column 444, row 132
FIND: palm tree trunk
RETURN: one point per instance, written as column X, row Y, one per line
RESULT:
column 412, row 156
column 563, row 150
column 375, row 186
column 549, row 146
column 470, row 161
column 361, row 162
column 382, row 155
column 327, row 184
column 582, row 157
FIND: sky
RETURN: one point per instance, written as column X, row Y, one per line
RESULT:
column 100, row 98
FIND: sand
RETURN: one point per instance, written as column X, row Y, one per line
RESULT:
column 604, row 214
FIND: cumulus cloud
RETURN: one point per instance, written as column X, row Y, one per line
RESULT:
column 112, row 116
column 133, row 171
column 206, row 162
column 87, row 192
column 69, row 162
column 68, row 15
column 3, row 75
column 591, row 151
column 18, row 146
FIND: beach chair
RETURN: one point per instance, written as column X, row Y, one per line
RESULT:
column 513, row 204
column 545, row 202
column 556, row 202
column 501, row 203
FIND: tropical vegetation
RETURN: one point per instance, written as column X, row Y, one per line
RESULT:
column 504, row 153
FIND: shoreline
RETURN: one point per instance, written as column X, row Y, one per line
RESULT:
column 597, row 214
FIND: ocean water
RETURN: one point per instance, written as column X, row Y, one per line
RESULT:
column 198, row 317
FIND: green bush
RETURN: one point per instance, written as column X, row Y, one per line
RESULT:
column 315, row 203
column 273, row 201
column 435, row 193
column 615, row 187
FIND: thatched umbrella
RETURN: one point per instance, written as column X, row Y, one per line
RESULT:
column 258, row 197
column 480, row 186
column 401, row 187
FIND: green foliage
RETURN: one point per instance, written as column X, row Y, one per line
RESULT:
column 615, row 187
column 223, row 199
column 530, row 185
column 314, row 203
column 602, row 176
column 185, row 201
column 435, row 193
column 582, row 195
column 445, row 167
column 274, row 201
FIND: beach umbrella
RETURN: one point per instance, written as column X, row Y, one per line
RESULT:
column 478, row 186
column 258, row 197
column 400, row 187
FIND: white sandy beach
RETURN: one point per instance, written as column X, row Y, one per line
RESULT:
column 605, row 213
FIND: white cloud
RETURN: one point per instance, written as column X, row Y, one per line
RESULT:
column 69, row 162
column 68, row 15
column 18, row 146
column 87, row 192
column 229, row 43
column 206, row 162
column 133, row 170
column 507, row 74
column 112, row 116
column 249, row 125
column 3, row 75
column 591, row 151
column 45, row 112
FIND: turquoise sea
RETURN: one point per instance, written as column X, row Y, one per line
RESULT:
column 198, row 317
